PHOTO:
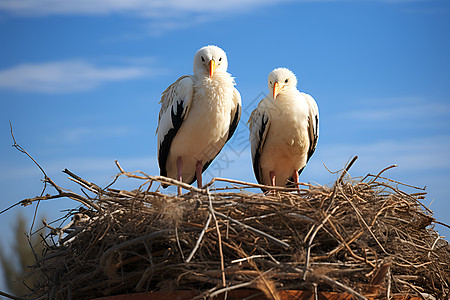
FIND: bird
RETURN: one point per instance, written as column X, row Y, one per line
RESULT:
column 284, row 129
column 199, row 114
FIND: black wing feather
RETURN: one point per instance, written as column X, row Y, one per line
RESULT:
column 177, row 120
column 256, row 167
column 234, row 122
column 313, row 137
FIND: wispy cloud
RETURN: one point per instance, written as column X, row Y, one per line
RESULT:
column 89, row 133
column 163, row 15
column 393, row 109
column 102, row 168
column 65, row 76
column 144, row 8
column 411, row 155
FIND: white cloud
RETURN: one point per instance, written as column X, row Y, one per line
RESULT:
column 102, row 168
column 86, row 133
column 393, row 109
column 65, row 76
column 165, row 15
column 144, row 8
column 417, row 154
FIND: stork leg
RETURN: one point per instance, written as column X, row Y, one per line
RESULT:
column 198, row 173
column 272, row 183
column 296, row 181
column 272, row 177
column 179, row 168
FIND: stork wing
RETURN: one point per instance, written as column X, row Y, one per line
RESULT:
column 259, row 123
column 235, row 113
column 175, row 103
column 235, row 117
column 313, row 124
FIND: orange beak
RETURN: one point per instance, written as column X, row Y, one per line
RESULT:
column 276, row 89
column 212, row 67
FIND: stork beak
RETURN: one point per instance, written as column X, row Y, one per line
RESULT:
column 212, row 67
column 276, row 89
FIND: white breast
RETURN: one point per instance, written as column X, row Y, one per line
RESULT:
column 287, row 142
column 205, row 129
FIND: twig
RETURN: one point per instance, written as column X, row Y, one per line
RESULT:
column 381, row 172
column 230, row 288
column 254, row 230
column 178, row 243
column 315, row 277
column 90, row 185
column 340, row 286
column 153, row 235
column 222, row 264
column 248, row 258
column 18, row 147
column 413, row 287
column 197, row 244
column 435, row 221
column 388, row 288
column 434, row 245
column 9, row 295
column 255, row 185
column 347, row 168
column 358, row 213
column 401, row 193
column 313, row 235
column 394, row 181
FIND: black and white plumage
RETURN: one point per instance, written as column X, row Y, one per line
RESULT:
column 284, row 130
column 199, row 114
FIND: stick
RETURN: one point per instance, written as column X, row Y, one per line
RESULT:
column 347, row 168
column 308, row 250
column 11, row 296
column 314, row 277
column 254, row 230
column 131, row 242
column 381, row 172
column 197, row 244
column 358, row 213
column 222, row 264
column 256, row 185
column 178, row 243
column 434, row 245
column 86, row 184
column 230, row 288
column 341, row 286
column 18, row 147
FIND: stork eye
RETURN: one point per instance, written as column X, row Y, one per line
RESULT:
column 270, row 82
column 286, row 81
column 220, row 59
column 203, row 59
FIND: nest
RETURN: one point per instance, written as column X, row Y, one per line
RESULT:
column 363, row 237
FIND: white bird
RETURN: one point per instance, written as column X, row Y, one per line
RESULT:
column 199, row 114
column 284, row 129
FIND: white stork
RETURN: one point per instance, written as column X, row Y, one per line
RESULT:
column 199, row 114
column 284, row 129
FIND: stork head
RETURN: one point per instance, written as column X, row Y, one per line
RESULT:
column 210, row 60
column 280, row 80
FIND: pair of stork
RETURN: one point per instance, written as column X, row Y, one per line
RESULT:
column 199, row 114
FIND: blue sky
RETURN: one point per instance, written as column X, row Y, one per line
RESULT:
column 81, row 80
